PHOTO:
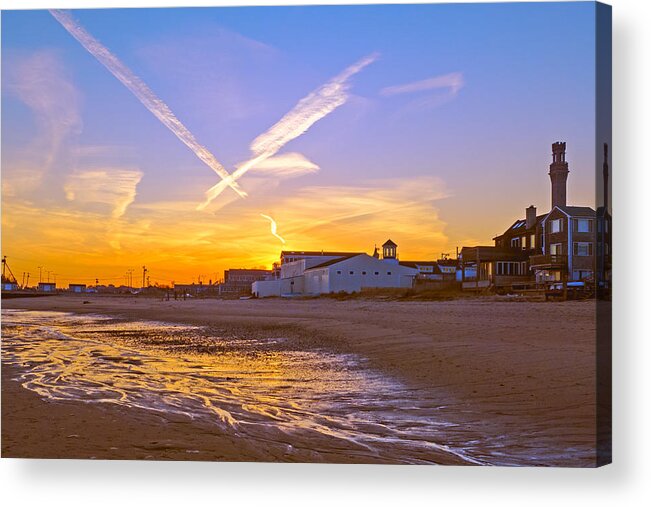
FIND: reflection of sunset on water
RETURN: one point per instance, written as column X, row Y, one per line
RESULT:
column 286, row 404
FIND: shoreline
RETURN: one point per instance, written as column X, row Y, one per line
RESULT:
column 532, row 374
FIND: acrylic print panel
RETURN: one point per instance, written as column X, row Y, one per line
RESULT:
column 325, row 234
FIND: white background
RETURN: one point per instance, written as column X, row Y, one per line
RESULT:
column 67, row 482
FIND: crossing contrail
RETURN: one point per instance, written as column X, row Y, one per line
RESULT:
column 144, row 94
column 306, row 113
column 274, row 227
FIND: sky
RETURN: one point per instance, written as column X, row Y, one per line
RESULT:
column 431, row 125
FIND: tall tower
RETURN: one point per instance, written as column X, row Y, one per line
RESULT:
column 558, row 172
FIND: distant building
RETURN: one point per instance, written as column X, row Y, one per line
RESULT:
column 439, row 271
column 194, row 289
column 238, row 281
column 9, row 285
column 321, row 272
column 357, row 272
column 47, row 287
column 77, row 287
column 538, row 249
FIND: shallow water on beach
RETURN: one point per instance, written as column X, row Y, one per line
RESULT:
column 281, row 404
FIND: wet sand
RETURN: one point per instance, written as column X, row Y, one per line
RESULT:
column 513, row 369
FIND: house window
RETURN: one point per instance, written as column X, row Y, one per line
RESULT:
column 581, row 274
column 532, row 241
column 557, row 225
column 363, row 272
column 377, row 272
column 556, row 249
column 338, row 272
column 515, row 242
column 389, row 273
column 352, row 272
column 582, row 249
column 524, row 242
column 583, row 225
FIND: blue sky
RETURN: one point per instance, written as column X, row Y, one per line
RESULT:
column 463, row 158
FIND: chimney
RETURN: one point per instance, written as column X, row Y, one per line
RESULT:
column 531, row 216
column 558, row 172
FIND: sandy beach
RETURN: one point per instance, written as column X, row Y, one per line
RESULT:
column 512, row 370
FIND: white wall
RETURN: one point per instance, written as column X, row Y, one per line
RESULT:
column 290, row 269
column 338, row 278
column 282, row 287
column 296, row 268
column 265, row 288
column 317, row 281
column 293, row 285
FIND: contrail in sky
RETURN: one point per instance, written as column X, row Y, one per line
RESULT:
column 274, row 227
column 306, row 113
column 143, row 93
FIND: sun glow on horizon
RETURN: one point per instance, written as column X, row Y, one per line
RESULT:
column 428, row 148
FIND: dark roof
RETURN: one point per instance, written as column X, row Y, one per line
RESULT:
column 415, row 264
column 334, row 261
column 315, row 253
column 491, row 253
column 521, row 225
column 420, row 263
column 388, row 242
column 254, row 270
column 578, row 211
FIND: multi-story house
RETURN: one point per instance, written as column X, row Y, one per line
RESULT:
column 560, row 245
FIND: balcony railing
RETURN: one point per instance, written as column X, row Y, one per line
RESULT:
column 548, row 260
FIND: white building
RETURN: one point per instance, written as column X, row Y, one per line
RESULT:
column 315, row 273
column 47, row 287
column 361, row 271
column 77, row 287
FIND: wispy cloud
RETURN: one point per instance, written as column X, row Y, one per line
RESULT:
column 428, row 93
column 215, row 72
column 40, row 81
column 453, row 82
column 315, row 106
column 274, row 227
column 112, row 188
column 143, row 93
column 285, row 165
column 357, row 216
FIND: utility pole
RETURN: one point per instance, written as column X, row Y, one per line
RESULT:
column 144, row 274
column 27, row 281
column 40, row 274
column 23, row 284
column 48, row 275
